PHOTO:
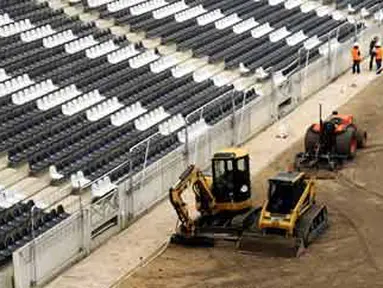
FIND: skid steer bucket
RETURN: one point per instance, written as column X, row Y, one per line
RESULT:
column 270, row 245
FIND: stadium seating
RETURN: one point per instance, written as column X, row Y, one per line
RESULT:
column 18, row 227
column 78, row 98
column 238, row 32
column 356, row 5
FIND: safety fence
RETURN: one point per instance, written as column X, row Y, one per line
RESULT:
column 74, row 238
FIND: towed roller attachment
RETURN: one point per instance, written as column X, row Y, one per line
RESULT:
column 317, row 166
column 270, row 245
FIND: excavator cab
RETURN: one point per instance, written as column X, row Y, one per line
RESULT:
column 231, row 179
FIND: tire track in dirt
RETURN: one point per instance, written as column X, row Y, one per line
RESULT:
column 342, row 179
column 361, row 237
column 349, row 254
column 372, row 149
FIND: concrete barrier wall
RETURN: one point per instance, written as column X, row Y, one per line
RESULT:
column 151, row 185
column 50, row 253
column 6, row 276
column 40, row 260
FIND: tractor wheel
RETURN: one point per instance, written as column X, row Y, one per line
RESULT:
column 346, row 143
column 361, row 137
column 311, row 140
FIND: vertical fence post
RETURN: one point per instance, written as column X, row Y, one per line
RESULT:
column 329, row 56
column 86, row 226
column 300, row 88
column 130, row 194
column 196, row 141
column 240, row 125
column 306, row 68
column 33, row 250
column 122, row 205
column 233, row 122
column 274, row 96
column 187, row 140
column 145, row 162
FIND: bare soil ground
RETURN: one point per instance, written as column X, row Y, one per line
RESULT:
column 349, row 254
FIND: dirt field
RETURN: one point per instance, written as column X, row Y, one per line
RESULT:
column 350, row 253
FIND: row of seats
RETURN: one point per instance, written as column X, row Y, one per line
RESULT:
column 357, row 5
column 161, row 145
column 216, row 28
column 82, row 123
column 39, row 132
column 21, row 222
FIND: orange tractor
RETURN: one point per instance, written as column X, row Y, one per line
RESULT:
column 329, row 143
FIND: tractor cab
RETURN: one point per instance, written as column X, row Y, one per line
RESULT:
column 231, row 176
column 285, row 191
column 335, row 123
column 341, row 119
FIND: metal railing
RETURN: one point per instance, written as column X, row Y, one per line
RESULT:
column 70, row 240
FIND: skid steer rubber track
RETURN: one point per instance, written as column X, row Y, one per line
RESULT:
column 312, row 224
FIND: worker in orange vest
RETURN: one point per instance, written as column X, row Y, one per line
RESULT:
column 378, row 57
column 356, row 58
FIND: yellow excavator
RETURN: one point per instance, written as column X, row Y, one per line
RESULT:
column 223, row 200
column 289, row 217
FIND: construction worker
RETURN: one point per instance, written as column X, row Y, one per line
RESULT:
column 378, row 57
column 372, row 50
column 356, row 58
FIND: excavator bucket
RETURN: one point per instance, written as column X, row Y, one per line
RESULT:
column 270, row 245
column 193, row 241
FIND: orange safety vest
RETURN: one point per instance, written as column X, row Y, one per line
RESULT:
column 378, row 53
column 355, row 54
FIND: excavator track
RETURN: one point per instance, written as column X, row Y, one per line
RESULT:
column 210, row 229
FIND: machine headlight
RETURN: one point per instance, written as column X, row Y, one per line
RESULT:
column 244, row 189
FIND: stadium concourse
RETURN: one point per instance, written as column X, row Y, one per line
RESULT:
column 82, row 86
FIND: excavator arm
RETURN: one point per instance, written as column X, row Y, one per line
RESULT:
column 205, row 201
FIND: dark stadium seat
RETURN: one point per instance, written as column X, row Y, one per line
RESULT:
column 16, row 226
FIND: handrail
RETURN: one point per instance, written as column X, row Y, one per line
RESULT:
column 187, row 117
column 130, row 162
column 207, row 104
column 322, row 38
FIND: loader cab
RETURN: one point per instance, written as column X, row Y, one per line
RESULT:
column 285, row 190
column 231, row 176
